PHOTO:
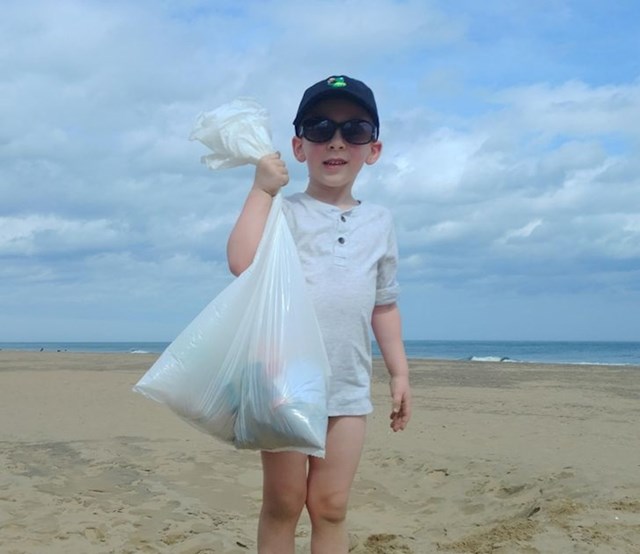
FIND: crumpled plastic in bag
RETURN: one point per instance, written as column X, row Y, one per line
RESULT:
column 251, row 369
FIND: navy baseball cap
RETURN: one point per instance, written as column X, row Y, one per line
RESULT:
column 339, row 86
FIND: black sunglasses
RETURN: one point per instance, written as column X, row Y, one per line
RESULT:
column 353, row 131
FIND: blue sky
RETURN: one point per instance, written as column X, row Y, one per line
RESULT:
column 511, row 157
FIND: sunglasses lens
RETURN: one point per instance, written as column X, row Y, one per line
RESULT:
column 318, row 130
column 357, row 131
column 354, row 131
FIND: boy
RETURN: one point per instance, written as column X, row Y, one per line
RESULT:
column 349, row 257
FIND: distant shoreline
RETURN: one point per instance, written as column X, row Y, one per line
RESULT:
column 96, row 361
column 602, row 353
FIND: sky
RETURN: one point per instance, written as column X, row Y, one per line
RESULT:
column 511, row 157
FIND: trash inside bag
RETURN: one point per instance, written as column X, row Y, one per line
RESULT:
column 289, row 412
column 251, row 368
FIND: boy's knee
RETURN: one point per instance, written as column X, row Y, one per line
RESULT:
column 285, row 505
column 329, row 507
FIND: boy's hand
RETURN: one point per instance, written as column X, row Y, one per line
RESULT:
column 271, row 174
column 401, row 397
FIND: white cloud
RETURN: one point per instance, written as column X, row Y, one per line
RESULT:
column 517, row 186
column 363, row 26
column 521, row 233
column 574, row 108
column 51, row 235
column 433, row 167
column 531, row 185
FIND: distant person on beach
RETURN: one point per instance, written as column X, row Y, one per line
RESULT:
column 349, row 256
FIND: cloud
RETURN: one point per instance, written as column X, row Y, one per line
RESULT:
column 504, row 176
column 574, row 108
column 51, row 235
column 358, row 26
column 530, row 192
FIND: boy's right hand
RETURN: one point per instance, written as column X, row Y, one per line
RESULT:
column 271, row 174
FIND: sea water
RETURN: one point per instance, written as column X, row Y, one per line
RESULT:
column 572, row 352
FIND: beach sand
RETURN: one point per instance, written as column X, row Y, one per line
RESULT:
column 498, row 458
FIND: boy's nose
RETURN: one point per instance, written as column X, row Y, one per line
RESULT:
column 336, row 142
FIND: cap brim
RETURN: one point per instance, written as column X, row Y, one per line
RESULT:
column 341, row 93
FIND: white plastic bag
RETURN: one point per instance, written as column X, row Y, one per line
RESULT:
column 251, row 368
column 237, row 132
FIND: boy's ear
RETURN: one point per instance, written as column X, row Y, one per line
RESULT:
column 374, row 154
column 298, row 151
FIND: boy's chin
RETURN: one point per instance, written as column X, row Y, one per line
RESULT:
column 332, row 179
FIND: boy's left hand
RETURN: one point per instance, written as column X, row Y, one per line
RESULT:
column 401, row 398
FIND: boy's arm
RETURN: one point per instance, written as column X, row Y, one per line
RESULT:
column 387, row 328
column 271, row 175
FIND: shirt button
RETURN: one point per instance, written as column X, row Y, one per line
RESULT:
column 341, row 240
column 343, row 218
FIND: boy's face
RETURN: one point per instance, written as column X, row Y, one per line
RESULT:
column 335, row 163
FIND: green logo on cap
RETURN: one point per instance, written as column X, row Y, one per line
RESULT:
column 336, row 82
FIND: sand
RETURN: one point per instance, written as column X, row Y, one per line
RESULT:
column 499, row 458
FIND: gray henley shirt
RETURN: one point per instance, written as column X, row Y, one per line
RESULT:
column 350, row 260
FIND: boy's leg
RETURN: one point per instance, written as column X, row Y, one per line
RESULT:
column 329, row 484
column 284, row 490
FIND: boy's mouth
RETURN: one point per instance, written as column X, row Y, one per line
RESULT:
column 335, row 162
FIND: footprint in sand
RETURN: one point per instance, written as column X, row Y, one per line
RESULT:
column 510, row 490
column 438, row 475
column 380, row 543
column 626, row 505
column 469, row 509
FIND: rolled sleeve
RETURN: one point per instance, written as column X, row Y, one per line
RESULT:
column 387, row 288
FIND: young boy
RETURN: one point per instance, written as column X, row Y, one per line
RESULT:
column 349, row 257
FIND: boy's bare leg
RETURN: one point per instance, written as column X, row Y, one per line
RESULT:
column 284, row 491
column 329, row 484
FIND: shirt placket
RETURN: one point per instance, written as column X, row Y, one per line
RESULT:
column 341, row 242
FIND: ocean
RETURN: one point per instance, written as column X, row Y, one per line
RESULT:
column 571, row 352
